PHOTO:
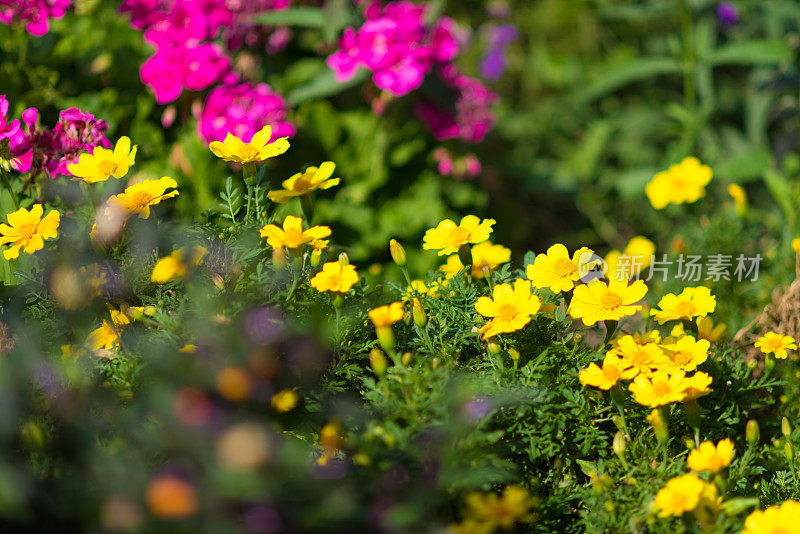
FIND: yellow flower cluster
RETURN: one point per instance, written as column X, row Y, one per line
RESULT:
column 687, row 493
column 487, row 513
column 684, row 182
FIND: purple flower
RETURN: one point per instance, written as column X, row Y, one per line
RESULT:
column 243, row 110
column 727, row 14
column 493, row 63
column 36, row 13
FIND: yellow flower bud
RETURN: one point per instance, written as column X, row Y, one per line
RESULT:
column 493, row 346
column 796, row 245
column 659, row 426
column 619, row 444
column 279, row 258
column 420, row 317
column 752, row 432
column 514, row 354
column 786, row 428
column 398, row 252
column 385, row 338
column 405, row 359
column 377, row 361
column 787, row 450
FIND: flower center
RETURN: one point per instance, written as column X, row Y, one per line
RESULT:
column 610, row 300
column 142, row 199
column 108, row 167
column 26, row 232
column 459, row 236
column 685, row 308
column 661, row 389
column 564, row 268
column 302, row 184
column 507, row 312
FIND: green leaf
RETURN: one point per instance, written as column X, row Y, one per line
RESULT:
column 744, row 166
column 751, row 53
column 324, row 85
column 6, row 206
column 626, row 73
column 781, row 191
column 308, row 17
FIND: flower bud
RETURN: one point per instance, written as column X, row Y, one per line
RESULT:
column 316, row 254
column 493, row 346
column 786, row 428
column 659, row 425
column 619, row 444
column 420, row 317
column 150, row 311
column 386, row 338
column 377, row 361
column 344, row 259
column 218, row 281
column 398, row 253
column 752, row 432
column 405, row 359
column 279, row 258
column 618, row 421
column 787, row 450
column 769, row 363
column 514, row 354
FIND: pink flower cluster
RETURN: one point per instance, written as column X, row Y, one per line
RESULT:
column 36, row 13
column 396, row 45
column 243, row 110
column 36, row 150
column 181, row 32
column 448, row 164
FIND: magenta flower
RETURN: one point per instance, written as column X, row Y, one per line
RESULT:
column 36, row 13
column 7, row 128
column 243, row 110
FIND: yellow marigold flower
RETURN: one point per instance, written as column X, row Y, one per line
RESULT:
column 384, row 316
column 104, row 163
column 292, row 234
column 739, row 198
column 510, row 308
column 706, row 329
column 692, row 302
column 708, row 457
column 258, row 149
column 177, row 264
column 418, row 287
column 781, row 519
column 485, row 258
column 774, row 343
column 641, row 249
column 448, row 236
column 302, row 183
column 687, row 352
column 107, row 336
column 682, row 182
column 681, row 494
column 335, row 277
column 495, row 511
column 600, row 301
column 697, row 385
column 796, row 245
column 614, row 369
column 661, row 388
column 284, row 401
column 558, row 272
column 137, row 198
column 27, row 230
column 640, row 357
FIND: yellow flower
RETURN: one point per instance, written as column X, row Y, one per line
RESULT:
column 739, row 198
column 485, row 258
column 137, row 198
column 661, row 388
column 639, row 357
column 637, row 255
column 258, row 149
column 495, row 511
column 384, row 316
column 708, row 457
column 556, row 271
column 302, row 183
column 598, row 301
column 614, row 369
column 104, row 163
column 27, row 230
column 687, row 352
column 680, row 495
column 683, row 182
column 448, row 236
column 335, row 277
column 796, row 245
column 692, row 302
column 284, row 401
column 418, row 287
column 292, row 234
column 510, row 308
column 177, row 264
column 781, row 519
column 776, row 344
column 107, row 336
column 697, row 385
column 707, row 330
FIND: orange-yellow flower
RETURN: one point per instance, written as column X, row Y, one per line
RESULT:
column 781, row 519
column 384, row 316
column 661, row 388
column 292, row 234
column 335, row 277
column 510, row 308
column 683, row 182
column 708, row 457
column 557, row 271
column 177, row 264
column 600, row 301
column 103, row 163
column 139, row 197
column 614, row 369
column 687, row 352
column 697, row 385
column 302, row 183
column 448, row 236
column 27, row 230
column 776, row 344
column 681, row 494
column 692, row 302
column 485, row 258
column 258, row 149
column 640, row 357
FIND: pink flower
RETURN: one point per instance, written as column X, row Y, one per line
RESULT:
column 37, row 13
column 7, row 128
column 163, row 73
column 243, row 110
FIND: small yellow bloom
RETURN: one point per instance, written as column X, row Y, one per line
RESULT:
column 417, row 288
column 600, row 301
column 692, row 302
column 107, row 336
column 776, row 344
column 258, row 149
column 680, row 495
column 292, row 234
column 625, row 265
column 189, row 348
column 335, row 277
column 687, row 352
column 302, row 183
column 104, row 163
column 499, row 512
column 739, row 198
column 556, row 271
column 485, row 258
column 27, row 230
column 661, row 388
column 706, row 329
column 510, row 308
column 640, row 357
column 697, row 385
column 708, row 457
column 448, row 236
column 683, row 182
column 614, row 369
column 284, row 401
column 384, row 316
column 137, row 198
column 781, row 519
column 177, row 264
column 796, row 245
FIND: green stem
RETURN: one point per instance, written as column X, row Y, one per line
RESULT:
column 7, row 185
